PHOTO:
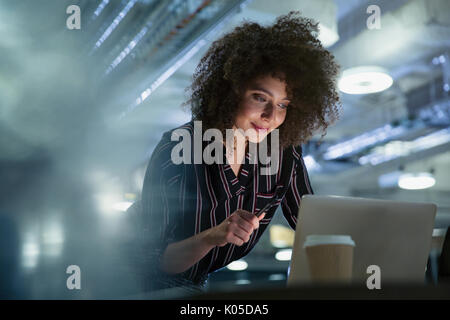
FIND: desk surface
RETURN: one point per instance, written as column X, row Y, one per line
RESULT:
column 387, row 292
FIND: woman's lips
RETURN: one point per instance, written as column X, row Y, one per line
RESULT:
column 259, row 129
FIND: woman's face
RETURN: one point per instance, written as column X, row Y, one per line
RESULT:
column 263, row 108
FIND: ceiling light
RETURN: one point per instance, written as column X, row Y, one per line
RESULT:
column 281, row 236
column 417, row 181
column 365, row 79
column 122, row 205
column 130, row 196
column 30, row 254
column 115, row 23
column 311, row 164
column 398, row 149
column 328, row 35
column 174, row 65
column 100, row 8
column 125, row 52
column 365, row 140
column 284, row 255
column 52, row 239
column 237, row 265
column 277, row 277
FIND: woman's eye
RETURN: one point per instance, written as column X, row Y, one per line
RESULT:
column 283, row 105
column 259, row 98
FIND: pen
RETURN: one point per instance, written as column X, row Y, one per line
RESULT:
column 266, row 207
column 278, row 195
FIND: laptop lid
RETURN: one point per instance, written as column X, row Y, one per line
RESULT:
column 396, row 236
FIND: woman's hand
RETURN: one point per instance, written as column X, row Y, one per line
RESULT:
column 236, row 229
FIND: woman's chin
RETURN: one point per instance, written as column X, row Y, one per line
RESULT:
column 254, row 136
column 257, row 138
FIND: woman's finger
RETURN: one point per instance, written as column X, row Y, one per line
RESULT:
column 239, row 232
column 244, row 224
column 250, row 217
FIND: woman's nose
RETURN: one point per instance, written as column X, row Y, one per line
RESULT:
column 268, row 111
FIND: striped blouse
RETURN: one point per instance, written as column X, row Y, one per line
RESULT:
column 179, row 201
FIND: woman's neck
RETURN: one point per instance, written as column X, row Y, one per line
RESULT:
column 235, row 148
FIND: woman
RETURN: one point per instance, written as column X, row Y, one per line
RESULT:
column 197, row 218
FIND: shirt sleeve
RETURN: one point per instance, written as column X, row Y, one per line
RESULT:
column 300, row 185
column 161, row 215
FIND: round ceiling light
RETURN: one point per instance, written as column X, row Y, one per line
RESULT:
column 416, row 181
column 284, row 255
column 363, row 80
column 237, row 265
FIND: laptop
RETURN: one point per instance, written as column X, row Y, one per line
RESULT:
column 395, row 236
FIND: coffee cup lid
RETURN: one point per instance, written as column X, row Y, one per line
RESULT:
column 318, row 239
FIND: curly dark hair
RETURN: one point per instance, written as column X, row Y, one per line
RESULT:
column 288, row 50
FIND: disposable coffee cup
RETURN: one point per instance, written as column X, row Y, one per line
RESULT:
column 330, row 257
